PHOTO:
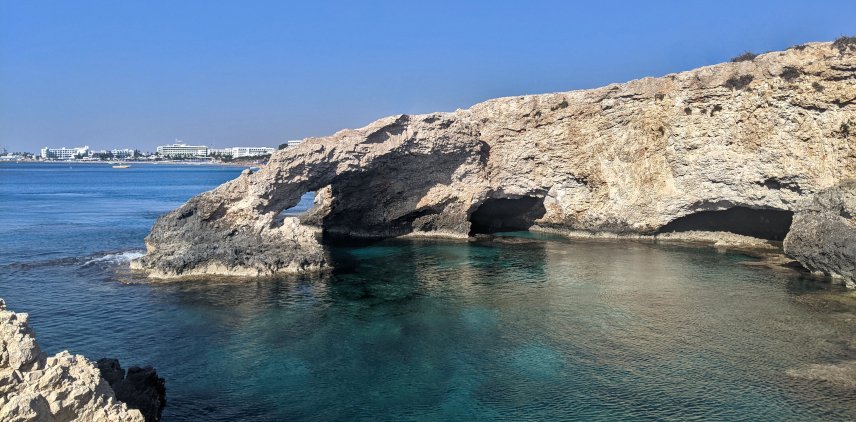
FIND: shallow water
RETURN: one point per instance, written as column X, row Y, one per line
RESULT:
column 530, row 328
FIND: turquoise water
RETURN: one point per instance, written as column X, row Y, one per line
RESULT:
column 528, row 327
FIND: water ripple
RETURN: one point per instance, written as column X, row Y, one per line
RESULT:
column 428, row 329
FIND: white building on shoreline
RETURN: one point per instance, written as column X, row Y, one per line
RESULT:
column 122, row 153
column 119, row 154
column 64, row 153
column 239, row 152
column 180, row 150
column 219, row 152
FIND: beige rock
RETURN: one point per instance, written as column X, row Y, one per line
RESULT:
column 626, row 159
column 64, row 387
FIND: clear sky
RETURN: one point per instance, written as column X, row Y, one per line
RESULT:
column 115, row 74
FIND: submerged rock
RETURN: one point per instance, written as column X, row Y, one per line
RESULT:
column 823, row 234
column 730, row 147
column 63, row 387
column 842, row 374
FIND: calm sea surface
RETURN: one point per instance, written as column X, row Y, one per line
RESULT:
column 521, row 328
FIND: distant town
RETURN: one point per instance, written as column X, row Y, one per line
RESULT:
column 178, row 151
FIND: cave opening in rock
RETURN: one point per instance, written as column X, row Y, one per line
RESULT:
column 767, row 224
column 506, row 214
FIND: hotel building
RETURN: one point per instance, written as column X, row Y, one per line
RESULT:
column 179, row 150
column 238, row 152
column 64, row 153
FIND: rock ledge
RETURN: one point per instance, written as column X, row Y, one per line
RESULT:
column 63, row 387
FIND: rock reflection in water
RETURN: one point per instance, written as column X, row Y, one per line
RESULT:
column 510, row 329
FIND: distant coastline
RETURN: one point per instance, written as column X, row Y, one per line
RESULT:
column 113, row 162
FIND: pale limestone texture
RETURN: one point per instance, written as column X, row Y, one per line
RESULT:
column 64, row 387
column 625, row 159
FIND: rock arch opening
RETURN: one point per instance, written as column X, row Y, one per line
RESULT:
column 767, row 224
column 307, row 200
column 506, row 214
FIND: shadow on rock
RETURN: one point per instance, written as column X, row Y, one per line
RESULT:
column 140, row 389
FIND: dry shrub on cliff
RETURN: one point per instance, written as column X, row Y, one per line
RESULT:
column 738, row 82
column 790, row 73
column 745, row 57
column 845, row 43
column 561, row 105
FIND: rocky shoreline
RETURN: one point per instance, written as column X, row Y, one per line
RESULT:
column 66, row 387
column 741, row 147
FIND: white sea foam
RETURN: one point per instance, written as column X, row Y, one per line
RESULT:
column 116, row 258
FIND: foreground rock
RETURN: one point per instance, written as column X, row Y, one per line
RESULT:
column 731, row 147
column 64, row 387
column 823, row 234
column 141, row 389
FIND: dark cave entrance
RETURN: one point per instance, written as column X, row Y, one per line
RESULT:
column 505, row 214
column 761, row 223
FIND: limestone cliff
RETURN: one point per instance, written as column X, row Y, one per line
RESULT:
column 731, row 147
column 64, row 387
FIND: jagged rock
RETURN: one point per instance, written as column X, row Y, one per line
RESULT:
column 753, row 138
column 230, row 241
column 823, row 234
column 64, row 387
column 141, row 389
column 110, row 370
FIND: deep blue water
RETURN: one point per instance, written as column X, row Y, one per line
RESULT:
column 531, row 327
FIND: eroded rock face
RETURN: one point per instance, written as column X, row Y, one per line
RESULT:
column 64, row 387
column 823, row 234
column 624, row 159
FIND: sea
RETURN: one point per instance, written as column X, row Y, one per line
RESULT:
column 520, row 326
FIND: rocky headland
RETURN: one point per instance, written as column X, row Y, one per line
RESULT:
column 735, row 148
column 65, row 387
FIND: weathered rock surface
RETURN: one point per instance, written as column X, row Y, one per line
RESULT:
column 64, row 387
column 140, row 389
column 750, row 139
column 823, row 233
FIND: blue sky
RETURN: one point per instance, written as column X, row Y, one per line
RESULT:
column 142, row 73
